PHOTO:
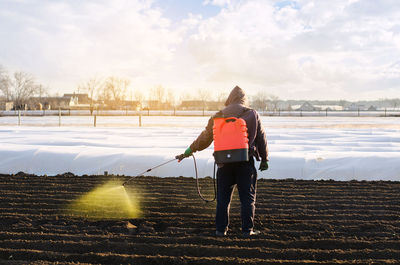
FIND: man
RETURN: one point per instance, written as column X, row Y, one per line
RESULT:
column 242, row 174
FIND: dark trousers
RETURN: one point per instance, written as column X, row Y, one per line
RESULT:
column 244, row 175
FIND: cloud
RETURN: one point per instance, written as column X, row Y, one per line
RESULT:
column 294, row 49
column 262, row 42
column 221, row 3
column 79, row 40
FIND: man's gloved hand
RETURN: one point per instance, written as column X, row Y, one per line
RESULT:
column 263, row 165
column 188, row 152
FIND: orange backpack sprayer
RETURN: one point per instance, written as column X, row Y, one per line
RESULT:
column 231, row 143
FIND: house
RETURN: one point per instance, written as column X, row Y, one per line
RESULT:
column 79, row 98
column 329, row 107
column 372, row 108
column 356, row 107
column 151, row 104
column 131, row 104
column 192, row 105
column 215, row 105
column 47, row 103
column 57, row 102
column 79, row 101
column 67, row 101
column 5, row 105
column 307, row 106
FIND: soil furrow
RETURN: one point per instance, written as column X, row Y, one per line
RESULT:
column 302, row 222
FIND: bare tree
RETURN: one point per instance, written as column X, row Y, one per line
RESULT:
column 158, row 94
column 92, row 86
column 170, row 98
column 22, row 87
column 124, row 87
column 4, row 83
column 342, row 103
column 139, row 97
column 42, row 91
column 222, row 96
column 204, row 94
column 103, row 93
column 186, row 96
column 115, row 88
column 274, row 102
column 260, row 100
column 395, row 103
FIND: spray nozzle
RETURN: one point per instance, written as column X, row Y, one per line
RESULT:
column 180, row 157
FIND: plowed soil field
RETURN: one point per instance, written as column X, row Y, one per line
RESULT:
column 302, row 222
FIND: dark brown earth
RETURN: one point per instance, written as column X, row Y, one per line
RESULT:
column 302, row 222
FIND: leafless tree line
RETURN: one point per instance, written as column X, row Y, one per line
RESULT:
column 115, row 91
column 112, row 89
column 263, row 101
column 19, row 87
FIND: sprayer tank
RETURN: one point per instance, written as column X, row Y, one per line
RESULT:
column 231, row 143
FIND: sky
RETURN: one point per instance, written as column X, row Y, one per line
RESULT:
column 304, row 49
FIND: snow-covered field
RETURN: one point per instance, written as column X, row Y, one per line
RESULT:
column 340, row 148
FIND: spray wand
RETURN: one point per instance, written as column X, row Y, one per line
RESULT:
column 180, row 158
column 150, row 169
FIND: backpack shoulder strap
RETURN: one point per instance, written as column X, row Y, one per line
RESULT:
column 219, row 114
column 245, row 109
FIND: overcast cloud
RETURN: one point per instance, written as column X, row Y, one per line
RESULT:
column 294, row 49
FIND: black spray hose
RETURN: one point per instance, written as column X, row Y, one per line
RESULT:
column 197, row 182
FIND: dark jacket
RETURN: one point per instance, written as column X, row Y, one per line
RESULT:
column 235, row 107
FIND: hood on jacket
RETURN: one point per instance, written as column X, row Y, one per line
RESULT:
column 237, row 96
